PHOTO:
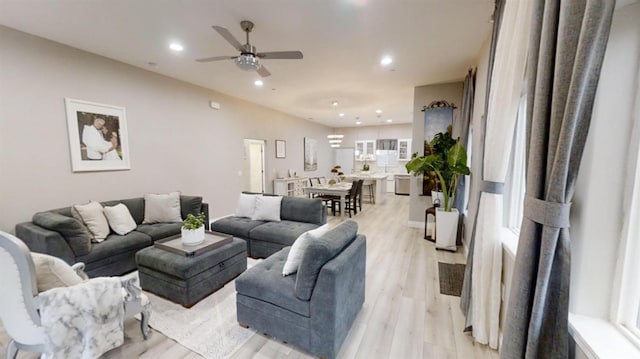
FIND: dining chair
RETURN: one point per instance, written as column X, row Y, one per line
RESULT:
column 351, row 200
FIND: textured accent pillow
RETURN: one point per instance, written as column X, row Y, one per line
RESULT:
column 298, row 248
column 267, row 208
column 52, row 272
column 74, row 232
column 92, row 216
column 246, row 205
column 162, row 208
column 120, row 219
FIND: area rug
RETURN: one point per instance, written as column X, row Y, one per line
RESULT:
column 209, row 328
column 451, row 277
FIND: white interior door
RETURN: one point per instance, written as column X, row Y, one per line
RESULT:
column 254, row 165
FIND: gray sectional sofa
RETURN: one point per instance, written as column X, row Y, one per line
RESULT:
column 315, row 308
column 57, row 233
column 297, row 215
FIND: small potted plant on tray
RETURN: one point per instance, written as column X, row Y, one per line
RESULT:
column 193, row 229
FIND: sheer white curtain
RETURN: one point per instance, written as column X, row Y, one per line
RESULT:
column 504, row 95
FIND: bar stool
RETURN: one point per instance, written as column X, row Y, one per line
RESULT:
column 367, row 187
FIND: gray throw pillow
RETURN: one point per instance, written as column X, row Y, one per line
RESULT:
column 73, row 231
column 319, row 252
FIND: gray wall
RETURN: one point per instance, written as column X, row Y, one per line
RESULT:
column 423, row 96
column 176, row 141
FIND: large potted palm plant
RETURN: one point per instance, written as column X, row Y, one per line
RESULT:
column 448, row 161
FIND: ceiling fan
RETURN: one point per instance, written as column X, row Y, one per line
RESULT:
column 249, row 59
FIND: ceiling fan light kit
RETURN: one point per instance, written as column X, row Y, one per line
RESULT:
column 248, row 62
column 249, row 58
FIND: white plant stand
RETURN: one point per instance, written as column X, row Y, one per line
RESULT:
column 446, row 229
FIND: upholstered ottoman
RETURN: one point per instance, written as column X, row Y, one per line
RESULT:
column 187, row 280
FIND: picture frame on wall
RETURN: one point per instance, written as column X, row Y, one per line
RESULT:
column 98, row 137
column 281, row 149
column 310, row 154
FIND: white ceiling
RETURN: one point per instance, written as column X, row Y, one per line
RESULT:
column 431, row 41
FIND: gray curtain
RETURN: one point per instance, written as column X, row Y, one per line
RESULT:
column 465, row 298
column 468, row 91
column 568, row 41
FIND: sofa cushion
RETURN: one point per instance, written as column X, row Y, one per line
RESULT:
column 92, row 215
column 246, row 205
column 190, row 205
column 299, row 246
column 320, row 252
column 119, row 219
column 52, row 272
column 302, row 210
column 160, row 230
column 283, row 232
column 235, row 226
column 73, row 231
column 136, row 208
column 161, row 208
column 267, row 208
column 117, row 244
column 265, row 282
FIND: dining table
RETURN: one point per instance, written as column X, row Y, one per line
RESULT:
column 339, row 189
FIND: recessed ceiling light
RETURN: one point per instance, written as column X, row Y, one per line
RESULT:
column 335, row 145
column 387, row 60
column 378, row 111
column 176, row 47
column 341, row 114
column 258, row 83
column 389, row 120
column 334, row 103
column 358, row 122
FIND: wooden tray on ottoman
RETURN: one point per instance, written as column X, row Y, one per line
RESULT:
column 212, row 240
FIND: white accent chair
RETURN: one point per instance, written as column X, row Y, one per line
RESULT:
column 19, row 302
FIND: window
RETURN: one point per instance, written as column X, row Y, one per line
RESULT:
column 628, row 314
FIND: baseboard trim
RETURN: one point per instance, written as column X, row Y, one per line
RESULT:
column 416, row 224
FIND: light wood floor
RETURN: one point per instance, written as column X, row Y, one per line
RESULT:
column 404, row 314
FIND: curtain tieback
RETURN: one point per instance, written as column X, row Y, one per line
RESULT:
column 492, row 187
column 551, row 214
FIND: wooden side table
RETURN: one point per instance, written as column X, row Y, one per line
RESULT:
column 430, row 211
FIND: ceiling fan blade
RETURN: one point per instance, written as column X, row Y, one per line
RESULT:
column 227, row 36
column 280, row 55
column 216, row 58
column 262, row 71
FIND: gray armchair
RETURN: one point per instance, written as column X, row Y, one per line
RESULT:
column 315, row 308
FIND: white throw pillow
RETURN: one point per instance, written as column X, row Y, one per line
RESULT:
column 52, row 272
column 162, row 208
column 299, row 247
column 246, row 205
column 120, row 219
column 267, row 208
column 92, row 215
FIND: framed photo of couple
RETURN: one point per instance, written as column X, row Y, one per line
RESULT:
column 98, row 138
